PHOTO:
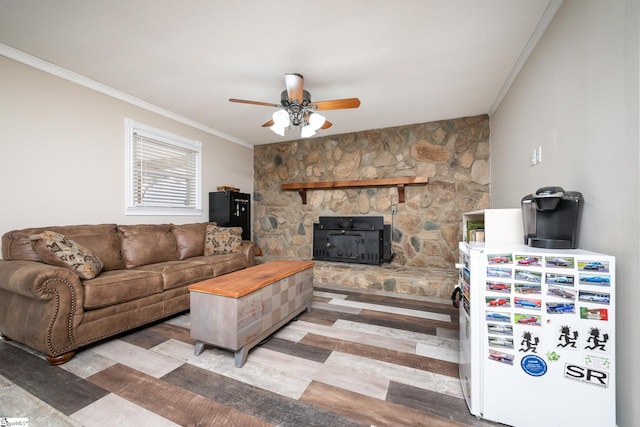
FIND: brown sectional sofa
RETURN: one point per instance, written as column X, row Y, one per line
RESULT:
column 145, row 277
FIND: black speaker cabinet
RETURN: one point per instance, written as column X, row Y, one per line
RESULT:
column 231, row 209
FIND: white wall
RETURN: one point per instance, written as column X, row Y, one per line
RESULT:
column 62, row 153
column 578, row 97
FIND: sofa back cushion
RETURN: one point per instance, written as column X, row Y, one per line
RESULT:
column 190, row 238
column 102, row 240
column 147, row 244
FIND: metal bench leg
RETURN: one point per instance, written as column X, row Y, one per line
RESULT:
column 241, row 356
column 199, row 348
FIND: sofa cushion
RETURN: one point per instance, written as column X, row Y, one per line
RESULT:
column 225, row 263
column 190, row 238
column 102, row 240
column 222, row 240
column 57, row 249
column 114, row 287
column 179, row 273
column 147, row 244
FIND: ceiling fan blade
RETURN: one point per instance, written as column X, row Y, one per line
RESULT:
column 337, row 104
column 243, row 101
column 327, row 124
column 294, row 83
column 268, row 124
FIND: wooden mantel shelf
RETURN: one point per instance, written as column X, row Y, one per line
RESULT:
column 399, row 182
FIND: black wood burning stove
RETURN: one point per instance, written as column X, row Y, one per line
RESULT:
column 357, row 239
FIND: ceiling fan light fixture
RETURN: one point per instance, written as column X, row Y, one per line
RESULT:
column 307, row 131
column 313, row 123
column 280, row 122
column 297, row 109
column 277, row 130
column 316, row 121
column 281, row 118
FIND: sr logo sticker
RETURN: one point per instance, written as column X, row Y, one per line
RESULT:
column 586, row 375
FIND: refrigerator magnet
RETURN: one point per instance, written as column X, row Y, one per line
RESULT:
column 534, row 365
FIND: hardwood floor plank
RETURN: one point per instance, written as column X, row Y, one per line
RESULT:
column 86, row 363
column 421, row 314
column 377, row 340
column 425, row 345
column 386, row 355
column 403, row 303
column 145, row 338
column 181, row 406
column 222, row 362
column 313, row 371
column 58, row 388
column 183, row 320
column 243, row 397
column 329, row 295
column 113, row 410
column 418, row 337
column 403, row 374
column 335, row 307
column 425, row 326
column 433, row 403
column 347, row 292
column 416, row 324
column 378, row 413
column 296, row 349
column 15, row 402
column 174, row 332
column 151, row 363
column 326, row 317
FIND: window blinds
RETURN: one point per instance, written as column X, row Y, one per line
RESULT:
column 164, row 174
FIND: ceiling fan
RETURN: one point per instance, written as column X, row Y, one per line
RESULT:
column 297, row 109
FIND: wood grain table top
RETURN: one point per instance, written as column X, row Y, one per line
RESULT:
column 243, row 282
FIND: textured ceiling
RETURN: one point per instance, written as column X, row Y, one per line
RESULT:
column 408, row 61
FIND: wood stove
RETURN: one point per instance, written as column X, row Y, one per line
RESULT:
column 357, row 239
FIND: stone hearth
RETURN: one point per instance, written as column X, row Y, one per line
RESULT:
column 423, row 281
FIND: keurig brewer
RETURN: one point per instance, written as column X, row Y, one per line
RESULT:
column 551, row 218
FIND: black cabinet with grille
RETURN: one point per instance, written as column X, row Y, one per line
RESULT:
column 231, row 209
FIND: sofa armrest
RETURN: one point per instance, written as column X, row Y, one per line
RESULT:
column 250, row 250
column 40, row 305
column 32, row 279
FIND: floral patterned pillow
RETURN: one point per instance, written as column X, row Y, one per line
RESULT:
column 222, row 240
column 57, row 249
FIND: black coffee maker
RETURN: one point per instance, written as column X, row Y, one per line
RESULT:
column 551, row 218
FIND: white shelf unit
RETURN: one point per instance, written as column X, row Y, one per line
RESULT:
column 500, row 225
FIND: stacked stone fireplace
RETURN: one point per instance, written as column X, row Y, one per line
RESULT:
column 452, row 154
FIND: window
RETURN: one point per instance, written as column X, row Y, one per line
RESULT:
column 164, row 172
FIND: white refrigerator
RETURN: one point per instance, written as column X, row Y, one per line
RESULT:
column 537, row 335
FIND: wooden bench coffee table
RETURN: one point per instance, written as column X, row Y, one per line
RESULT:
column 238, row 310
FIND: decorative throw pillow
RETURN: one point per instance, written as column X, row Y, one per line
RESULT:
column 222, row 240
column 57, row 249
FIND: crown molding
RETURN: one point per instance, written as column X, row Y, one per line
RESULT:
column 81, row 80
column 545, row 20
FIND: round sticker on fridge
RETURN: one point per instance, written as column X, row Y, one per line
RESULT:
column 534, row 365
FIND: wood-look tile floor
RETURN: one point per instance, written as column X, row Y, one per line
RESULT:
column 358, row 358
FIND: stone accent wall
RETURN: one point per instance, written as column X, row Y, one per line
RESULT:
column 453, row 154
